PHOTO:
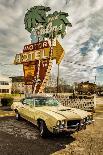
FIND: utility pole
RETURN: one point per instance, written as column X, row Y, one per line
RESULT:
column 95, row 79
column 58, row 79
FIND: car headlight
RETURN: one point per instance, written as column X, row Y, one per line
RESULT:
column 58, row 123
column 63, row 122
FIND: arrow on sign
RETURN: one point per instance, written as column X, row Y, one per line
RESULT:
column 58, row 52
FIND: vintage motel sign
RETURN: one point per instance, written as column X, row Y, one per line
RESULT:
column 40, row 54
column 37, row 57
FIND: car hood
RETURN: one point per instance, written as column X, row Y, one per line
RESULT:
column 62, row 112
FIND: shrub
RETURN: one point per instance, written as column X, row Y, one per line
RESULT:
column 6, row 101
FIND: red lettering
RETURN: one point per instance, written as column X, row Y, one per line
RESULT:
column 36, row 46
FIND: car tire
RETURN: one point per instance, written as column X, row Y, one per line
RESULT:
column 43, row 129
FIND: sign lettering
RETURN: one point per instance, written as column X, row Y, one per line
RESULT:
column 49, row 29
column 31, row 56
column 36, row 46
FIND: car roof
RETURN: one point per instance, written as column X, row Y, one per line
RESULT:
column 43, row 97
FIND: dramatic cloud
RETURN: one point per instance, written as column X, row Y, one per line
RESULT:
column 83, row 44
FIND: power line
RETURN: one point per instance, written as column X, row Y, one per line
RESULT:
column 75, row 63
column 6, row 64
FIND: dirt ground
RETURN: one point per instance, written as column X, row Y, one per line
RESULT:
column 22, row 138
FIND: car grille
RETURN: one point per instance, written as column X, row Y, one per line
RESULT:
column 73, row 123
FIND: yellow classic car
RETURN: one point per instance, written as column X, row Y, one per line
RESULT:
column 49, row 115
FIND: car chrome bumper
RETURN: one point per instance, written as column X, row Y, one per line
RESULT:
column 90, row 122
column 73, row 128
column 59, row 130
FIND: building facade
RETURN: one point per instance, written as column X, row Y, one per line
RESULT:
column 5, row 85
column 18, row 85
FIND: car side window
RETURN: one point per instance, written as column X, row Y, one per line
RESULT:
column 39, row 102
column 28, row 101
column 31, row 102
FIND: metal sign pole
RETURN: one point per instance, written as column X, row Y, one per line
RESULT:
column 37, row 76
column 58, row 80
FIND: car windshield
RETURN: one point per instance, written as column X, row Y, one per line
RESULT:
column 46, row 102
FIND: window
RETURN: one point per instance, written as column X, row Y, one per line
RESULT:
column 4, row 90
column 4, row 83
column 46, row 102
column 39, row 102
column 28, row 101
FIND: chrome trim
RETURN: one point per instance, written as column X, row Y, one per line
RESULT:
column 90, row 122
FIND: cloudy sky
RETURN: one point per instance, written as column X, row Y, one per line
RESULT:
column 83, row 43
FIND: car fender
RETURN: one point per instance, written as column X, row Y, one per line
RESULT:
column 50, row 121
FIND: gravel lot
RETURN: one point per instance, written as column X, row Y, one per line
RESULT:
column 22, row 138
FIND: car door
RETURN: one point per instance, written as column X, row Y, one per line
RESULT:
column 33, row 104
column 24, row 109
column 31, row 110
